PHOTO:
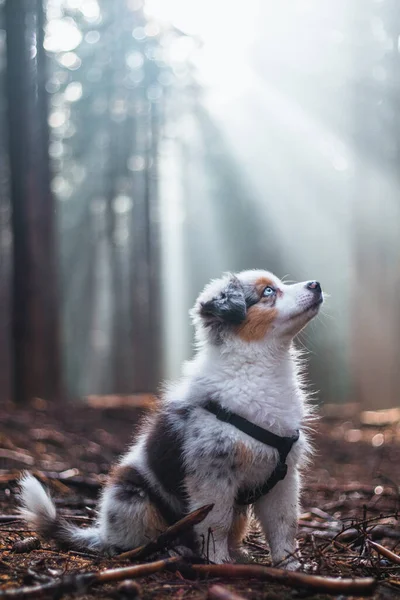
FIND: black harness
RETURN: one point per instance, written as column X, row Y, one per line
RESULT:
column 282, row 444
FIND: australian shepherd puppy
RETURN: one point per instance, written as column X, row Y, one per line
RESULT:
column 185, row 457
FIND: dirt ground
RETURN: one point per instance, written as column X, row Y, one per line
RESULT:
column 351, row 497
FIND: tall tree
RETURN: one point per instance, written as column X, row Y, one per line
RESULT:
column 5, row 237
column 36, row 357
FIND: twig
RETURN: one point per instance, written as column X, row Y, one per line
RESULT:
column 135, row 571
column 360, row 524
column 118, row 402
column 16, row 518
column 322, row 514
column 15, row 530
column 21, row 457
column 350, row 487
column 79, row 518
column 350, row 535
column 74, row 481
column 169, row 535
column 318, row 525
column 81, row 582
column 328, row 585
column 9, row 518
column 219, row 592
column 73, row 502
column 53, row 589
column 7, row 476
column 394, row 558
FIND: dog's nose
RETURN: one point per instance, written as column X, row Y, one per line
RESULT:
column 314, row 286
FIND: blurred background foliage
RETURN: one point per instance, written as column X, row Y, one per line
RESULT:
column 186, row 138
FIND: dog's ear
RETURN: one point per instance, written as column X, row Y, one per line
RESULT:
column 228, row 306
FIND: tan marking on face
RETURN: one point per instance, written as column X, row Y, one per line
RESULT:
column 258, row 321
column 262, row 283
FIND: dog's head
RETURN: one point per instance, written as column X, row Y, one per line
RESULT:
column 254, row 306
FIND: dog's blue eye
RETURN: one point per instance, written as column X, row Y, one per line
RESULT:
column 269, row 291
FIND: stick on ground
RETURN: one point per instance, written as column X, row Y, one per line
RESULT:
column 165, row 539
column 72, row 584
column 328, row 585
column 394, row 558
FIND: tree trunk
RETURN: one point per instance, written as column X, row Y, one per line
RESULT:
column 35, row 333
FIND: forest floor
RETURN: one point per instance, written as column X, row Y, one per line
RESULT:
column 350, row 499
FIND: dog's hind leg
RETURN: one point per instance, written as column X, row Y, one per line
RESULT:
column 129, row 515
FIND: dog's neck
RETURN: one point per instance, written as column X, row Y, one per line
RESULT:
column 260, row 384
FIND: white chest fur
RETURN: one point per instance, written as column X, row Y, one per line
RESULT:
column 264, row 391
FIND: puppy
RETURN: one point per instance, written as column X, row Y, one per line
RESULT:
column 200, row 447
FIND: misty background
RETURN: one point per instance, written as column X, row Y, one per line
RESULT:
column 179, row 140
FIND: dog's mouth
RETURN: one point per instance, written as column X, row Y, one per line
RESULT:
column 316, row 304
column 310, row 309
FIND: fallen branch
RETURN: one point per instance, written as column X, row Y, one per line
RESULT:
column 77, row 481
column 21, row 457
column 322, row 514
column 387, row 490
column 72, row 584
column 7, row 476
column 360, row 528
column 394, row 558
column 135, row 571
column 165, row 539
column 117, row 402
column 10, row 518
column 219, row 592
column 318, row 525
column 52, row 589
column 326, row 585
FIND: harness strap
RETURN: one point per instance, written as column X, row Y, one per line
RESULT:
column 281, row 443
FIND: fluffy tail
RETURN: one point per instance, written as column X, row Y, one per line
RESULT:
column 39, row 511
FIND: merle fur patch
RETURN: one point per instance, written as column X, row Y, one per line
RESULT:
column 164, row 450
column 229, row 306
